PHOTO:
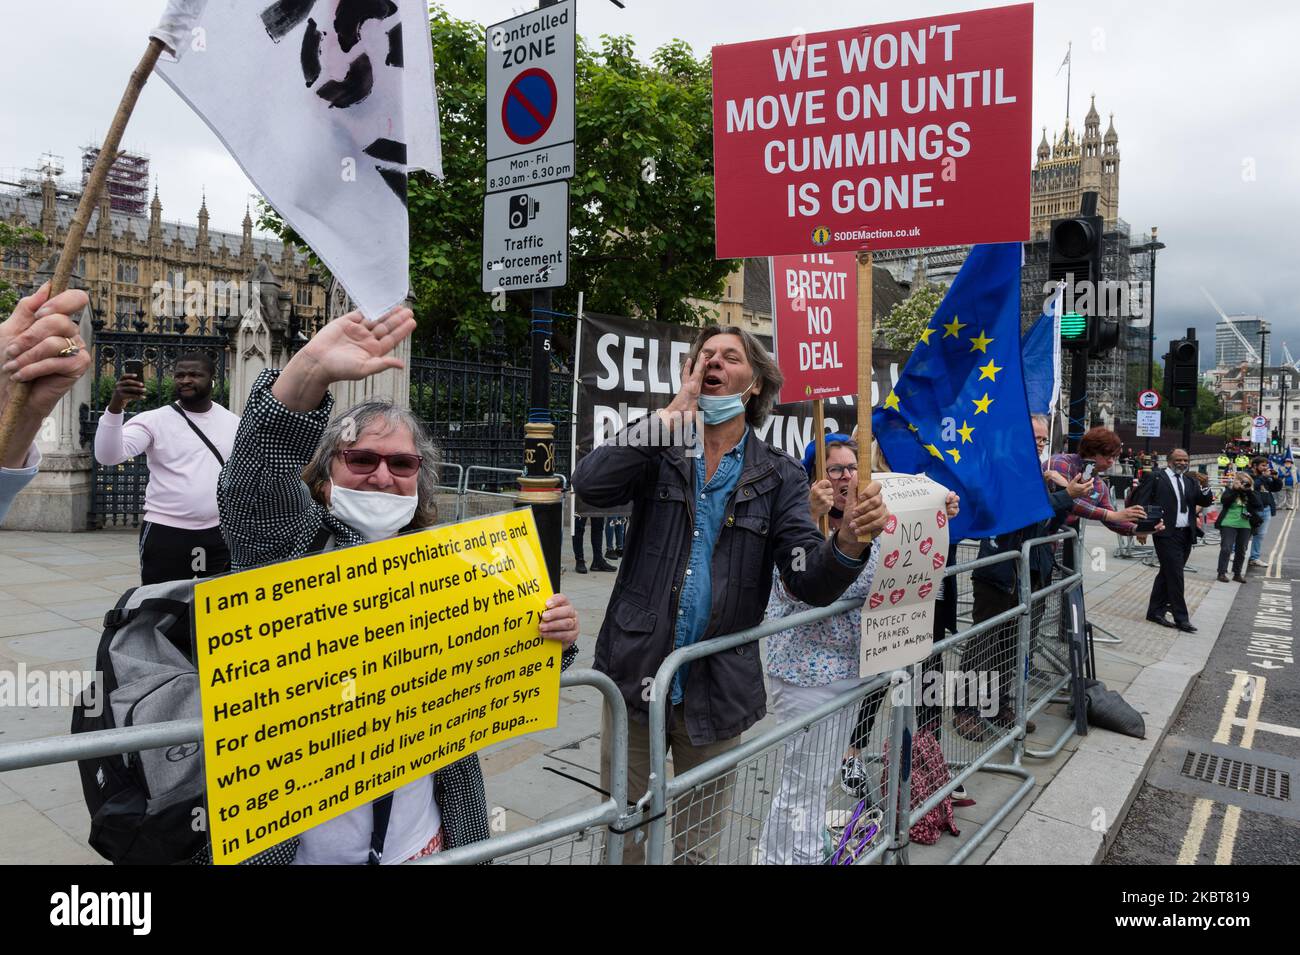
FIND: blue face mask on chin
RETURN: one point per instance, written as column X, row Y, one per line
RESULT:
column 715, row 409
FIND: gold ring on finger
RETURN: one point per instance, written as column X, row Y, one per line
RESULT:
column 72, row 349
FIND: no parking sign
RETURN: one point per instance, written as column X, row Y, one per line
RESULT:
column 530, row 106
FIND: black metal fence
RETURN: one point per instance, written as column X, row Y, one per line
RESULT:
column 474, row 401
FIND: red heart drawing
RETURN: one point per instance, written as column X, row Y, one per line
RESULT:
column 891, row 559
column 938, row 561
column 924, row 590
column 926, row 545
column 876, row 600
column 891, row 525
column 896, row 596
column 941, row 518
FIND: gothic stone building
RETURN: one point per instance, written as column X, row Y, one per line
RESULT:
column 120, row 265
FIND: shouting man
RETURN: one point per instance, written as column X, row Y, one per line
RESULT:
column 713, row 510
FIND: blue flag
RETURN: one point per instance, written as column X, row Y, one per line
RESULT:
column 1036, row 355
column 959, row 413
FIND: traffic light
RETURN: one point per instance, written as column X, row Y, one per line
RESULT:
column 1074, row 257
column 1277, row 439
column 1182, row 369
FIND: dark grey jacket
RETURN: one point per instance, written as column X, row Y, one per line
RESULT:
column 767, row 521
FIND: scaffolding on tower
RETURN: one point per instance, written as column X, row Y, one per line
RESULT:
column 128, row 180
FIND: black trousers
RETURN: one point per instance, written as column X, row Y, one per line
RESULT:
column 174, row 553
column 597, row 537
column 1172, row 551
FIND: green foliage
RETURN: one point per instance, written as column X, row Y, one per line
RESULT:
column 1229, row 427
column 903, row 326
column 10, row 237
column 641, row 200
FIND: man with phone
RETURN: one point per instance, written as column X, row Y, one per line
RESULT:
column 1174, row 493
column 186, row 444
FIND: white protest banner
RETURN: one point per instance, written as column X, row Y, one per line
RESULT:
column 897, row 618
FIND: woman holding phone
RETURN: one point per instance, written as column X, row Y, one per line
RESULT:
column 1097, row 451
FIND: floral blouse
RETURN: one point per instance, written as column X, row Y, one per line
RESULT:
column 820, row 653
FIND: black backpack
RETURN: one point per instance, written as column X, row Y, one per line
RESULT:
column 146, row 808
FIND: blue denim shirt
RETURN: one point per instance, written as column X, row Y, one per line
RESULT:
column 696, row 602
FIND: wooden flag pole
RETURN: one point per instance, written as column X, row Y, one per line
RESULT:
column 864, row 370
column 20, row 391
column 819, row 456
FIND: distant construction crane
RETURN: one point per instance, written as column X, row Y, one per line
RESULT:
column 1290, row 361
column 1250, row 349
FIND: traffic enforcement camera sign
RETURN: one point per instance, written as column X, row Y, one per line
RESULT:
column 530, row 103
column 526, row 238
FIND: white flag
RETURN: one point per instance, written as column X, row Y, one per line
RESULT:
column 326, row 105
column 1065, row 61
column 1057, row 306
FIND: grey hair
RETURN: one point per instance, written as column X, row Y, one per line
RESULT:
column 766, row 371
column 342, row 433
column 1042, row 419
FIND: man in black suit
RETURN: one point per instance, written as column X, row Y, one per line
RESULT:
column 1173, row 489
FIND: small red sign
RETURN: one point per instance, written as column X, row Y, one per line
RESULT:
column 815, row 324
column 897, row 135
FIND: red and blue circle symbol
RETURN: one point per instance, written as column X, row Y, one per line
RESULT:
column 528, row 108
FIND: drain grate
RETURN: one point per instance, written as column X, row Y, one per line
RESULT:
column 1236, row 774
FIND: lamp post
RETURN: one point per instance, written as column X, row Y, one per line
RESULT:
column 1263, row 360
column 1151, row 248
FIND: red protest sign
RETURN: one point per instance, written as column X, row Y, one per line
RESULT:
column 815, row 327
column 898, row 135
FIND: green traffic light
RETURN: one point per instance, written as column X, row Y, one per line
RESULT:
column 1073, row 326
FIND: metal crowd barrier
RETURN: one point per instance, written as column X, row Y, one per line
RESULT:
column 776, row 795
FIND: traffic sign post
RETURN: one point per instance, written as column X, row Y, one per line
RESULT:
column 530, row 102
column 1148, row 400
column 530, row 158
column 1259, row 431
column 1148, row 424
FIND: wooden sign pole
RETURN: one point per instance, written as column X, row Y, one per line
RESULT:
column 819, row 467
column 20, row 391
column 864, row 370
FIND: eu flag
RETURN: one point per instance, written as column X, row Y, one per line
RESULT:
column 959, row 413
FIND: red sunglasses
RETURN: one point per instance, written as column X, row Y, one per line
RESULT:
column 366, row 462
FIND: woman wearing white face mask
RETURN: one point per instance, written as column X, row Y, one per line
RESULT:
column 297, row 483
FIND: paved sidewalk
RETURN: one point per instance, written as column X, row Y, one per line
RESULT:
column 55, row 588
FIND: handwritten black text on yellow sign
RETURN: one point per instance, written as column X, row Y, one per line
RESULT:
column 331, row 680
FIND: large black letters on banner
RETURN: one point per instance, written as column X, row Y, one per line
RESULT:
column 628, row 368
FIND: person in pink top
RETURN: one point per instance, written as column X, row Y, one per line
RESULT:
column 186, row 444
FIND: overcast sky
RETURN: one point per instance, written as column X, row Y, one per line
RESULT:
column 1205, row 99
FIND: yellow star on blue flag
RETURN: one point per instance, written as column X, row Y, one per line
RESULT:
column 993, row 467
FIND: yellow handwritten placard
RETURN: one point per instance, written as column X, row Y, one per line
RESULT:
column 331, row 680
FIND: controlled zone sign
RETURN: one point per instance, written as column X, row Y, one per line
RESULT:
column 530, row 98
column 898, row 135
column 331, row 680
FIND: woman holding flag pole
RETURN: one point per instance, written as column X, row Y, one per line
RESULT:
column 298, row 482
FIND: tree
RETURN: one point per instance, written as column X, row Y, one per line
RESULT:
column 640, row 205
column 12, row 236
column 1229, row 427
column 903, row 326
